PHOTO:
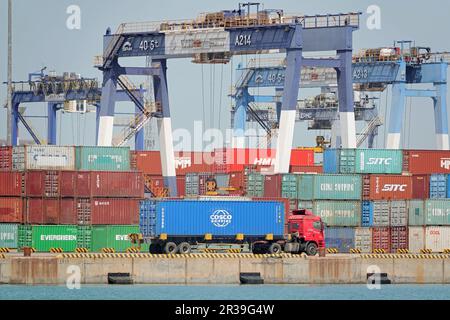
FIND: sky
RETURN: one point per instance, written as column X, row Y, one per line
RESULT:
column 41, row 38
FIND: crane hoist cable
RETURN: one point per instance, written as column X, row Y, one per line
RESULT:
column 385, row 115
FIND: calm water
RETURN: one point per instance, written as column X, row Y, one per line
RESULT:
column 236, row 292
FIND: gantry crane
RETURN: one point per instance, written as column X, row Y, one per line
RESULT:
column 214, row 38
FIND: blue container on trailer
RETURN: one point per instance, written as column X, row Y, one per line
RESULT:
column 448, row 186
column 341, row 238
column 219, row 218
column 147, row 217
column 367, row 214
column 438, row 186
column 331, row 161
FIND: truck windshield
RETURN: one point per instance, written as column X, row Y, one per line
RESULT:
column 293, row 227
column 317, row 225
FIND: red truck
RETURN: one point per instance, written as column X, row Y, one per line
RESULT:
column 305, row 234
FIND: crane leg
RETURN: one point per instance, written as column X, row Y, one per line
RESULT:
column 440, row 116
column 165, row 128
column 51, row 123
column 288, row 110
column 240, row 117
column 106, row 114
column 15, row 125
column 346, row 107
column 396, row 115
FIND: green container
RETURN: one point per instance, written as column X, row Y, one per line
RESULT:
column 255, row 185
column 416, row 215
column 84, row 237
column 289, row 186
column 437, row 212
column 60, row 236
column 339, row 213
column 347, row 158
column 336, row 187
column 305, row 189
column 9, row 235
column 305, row 205
column 112, row 236
column 378, row 161
column 102, row 158
column 25, row 236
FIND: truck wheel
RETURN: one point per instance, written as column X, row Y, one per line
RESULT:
column 274, row 248
column 170, row 248
column 154, row 248
column 311, row 249
column 184, row 248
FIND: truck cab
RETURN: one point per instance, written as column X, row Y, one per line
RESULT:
column 305, row 232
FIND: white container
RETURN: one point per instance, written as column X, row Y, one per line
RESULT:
column 363, row 239
column 43, row 158
column 399, row 213
column 381, row 213
column 437, row 238
column 416, row 239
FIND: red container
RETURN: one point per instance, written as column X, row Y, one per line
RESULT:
column 117, row 184
column 181, row 186
column 426, row 161
column 306, row 169
column 149, row 162
column 399, row 238
column 10, row 183
column 42, row 183
column 237, row 180
column 114, row 211
column 381, row 239
column 387, row 187
column 5, row 158
column 272, row 186
column 68, row 211
column 11, row 210
column 42, row 211
column 75, row 184
column 420, row 186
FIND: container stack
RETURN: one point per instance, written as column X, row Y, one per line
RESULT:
column 66, row 198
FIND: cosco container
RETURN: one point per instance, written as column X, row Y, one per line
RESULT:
column 336, row 187
column 416, row 216
column 363, row 161
column 387, row 187
column 103, row 158
column 43, row 158
column 426, row 161
column 219, row 218
column 438, row 186
column 363, row 239
column 5, row 158
column 112, row 236
column 46, row 237
column 9, row 235
column 11, row 210
column 435, row 238
column 437, row 212
column 338, row 213
column 11, row 183
column 341, row 238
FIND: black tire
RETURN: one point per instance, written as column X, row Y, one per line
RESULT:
column 184, row 248
column 274, row 248
column 311, row 249
column 170, row 248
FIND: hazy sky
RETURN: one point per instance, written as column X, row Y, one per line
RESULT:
column 41, row 38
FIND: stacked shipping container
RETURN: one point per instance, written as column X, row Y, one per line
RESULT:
column 57, row 197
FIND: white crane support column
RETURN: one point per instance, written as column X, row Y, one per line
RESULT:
column 345, row 92
column 165, row 127
column 289, row 104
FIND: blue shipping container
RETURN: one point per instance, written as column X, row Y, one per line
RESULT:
column 331, row 161
column 367, row 214
column 341, row 238
column 147, row 217
column 438, row 186
column 448, row 186
column 219, row 218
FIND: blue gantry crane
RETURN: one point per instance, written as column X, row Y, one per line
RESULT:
column 321, row 111
column 214, row 38
column 69, row 92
